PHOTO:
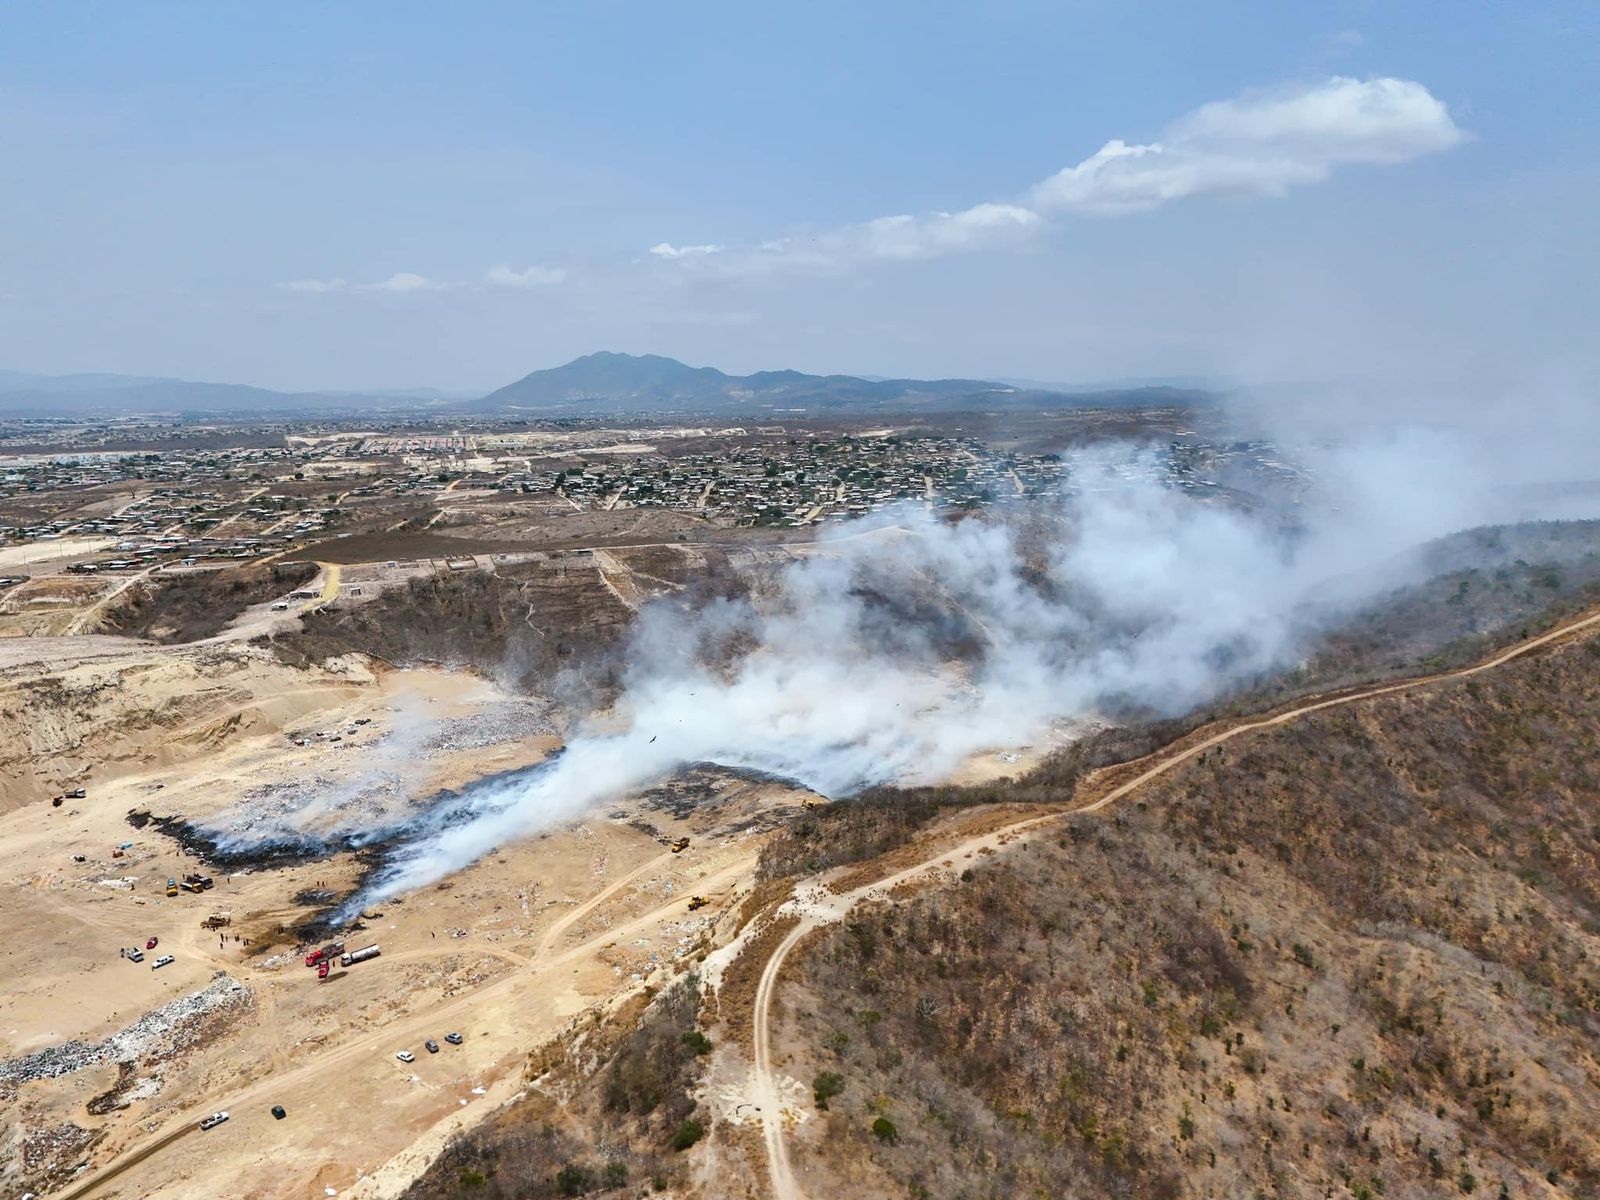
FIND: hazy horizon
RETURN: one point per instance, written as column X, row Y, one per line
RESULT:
column 1078, row 194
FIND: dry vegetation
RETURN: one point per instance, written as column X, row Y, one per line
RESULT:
column 517, row 624
column 1451, row 619
column 1359, row 955
column 608, row 1112
column 524, row 623
column 188, row 607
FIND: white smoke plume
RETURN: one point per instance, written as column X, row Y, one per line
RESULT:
column 906, row 643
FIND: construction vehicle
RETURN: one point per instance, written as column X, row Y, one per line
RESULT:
column 697, row 902
column 329, row 952
column 813, row 805
column 172, row 887
column 190, row 885
column 216, row 921
column 366, row 952
column 77, row 794
column 201, row 882
column 678, row 846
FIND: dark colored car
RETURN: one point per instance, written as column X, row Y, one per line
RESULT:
column 277, row 1112
column 431, row 1046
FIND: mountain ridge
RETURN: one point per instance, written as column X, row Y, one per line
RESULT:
column 617, row 382
column 602, row 383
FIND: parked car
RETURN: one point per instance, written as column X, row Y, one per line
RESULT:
column 215, row 1119
column 152, row 943
column 406, row 1056
column 163, row 961
column 453, row 1038
column 431, row 1046
column 278, row 1113
column 136, row 955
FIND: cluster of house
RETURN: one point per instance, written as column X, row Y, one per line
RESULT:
column 803, row 481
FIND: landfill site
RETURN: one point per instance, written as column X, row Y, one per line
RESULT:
column 171, row 1025
column 217, row 741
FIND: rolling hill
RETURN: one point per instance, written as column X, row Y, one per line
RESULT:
column 601, row 384
column 608, row 382
column 90, row 395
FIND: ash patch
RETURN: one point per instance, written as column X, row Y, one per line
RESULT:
column 155, row 1036
column 708, row 788
column 218, row 850
column 698, row 788
column 363, row 800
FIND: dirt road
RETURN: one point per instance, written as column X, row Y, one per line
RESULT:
column 129, row 1160
column 529, row 979
column 86, row 621
column 330, row 587
column 818, row 907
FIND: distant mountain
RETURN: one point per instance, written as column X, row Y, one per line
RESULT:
column 85, row 395
column 12, row 382
column 596, row 384
column 614, row 383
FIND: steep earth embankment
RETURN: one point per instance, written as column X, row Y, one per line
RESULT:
column 67, row 726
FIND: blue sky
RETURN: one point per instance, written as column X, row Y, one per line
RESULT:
column 313, row 195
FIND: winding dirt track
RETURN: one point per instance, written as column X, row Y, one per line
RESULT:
column 820, row 908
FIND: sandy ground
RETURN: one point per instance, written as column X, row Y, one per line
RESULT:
column 46, row 558
column 507, row 951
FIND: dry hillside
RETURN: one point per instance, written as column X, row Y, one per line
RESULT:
column 188, row 607
column 1358, row 955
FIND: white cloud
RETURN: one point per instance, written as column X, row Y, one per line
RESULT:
column 314, row 285
column 912, row 237
column 668, row 250
column 529, row 277
column 402, row 281
column 1258, row 144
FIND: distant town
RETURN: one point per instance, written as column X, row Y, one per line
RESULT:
column 170, row 505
